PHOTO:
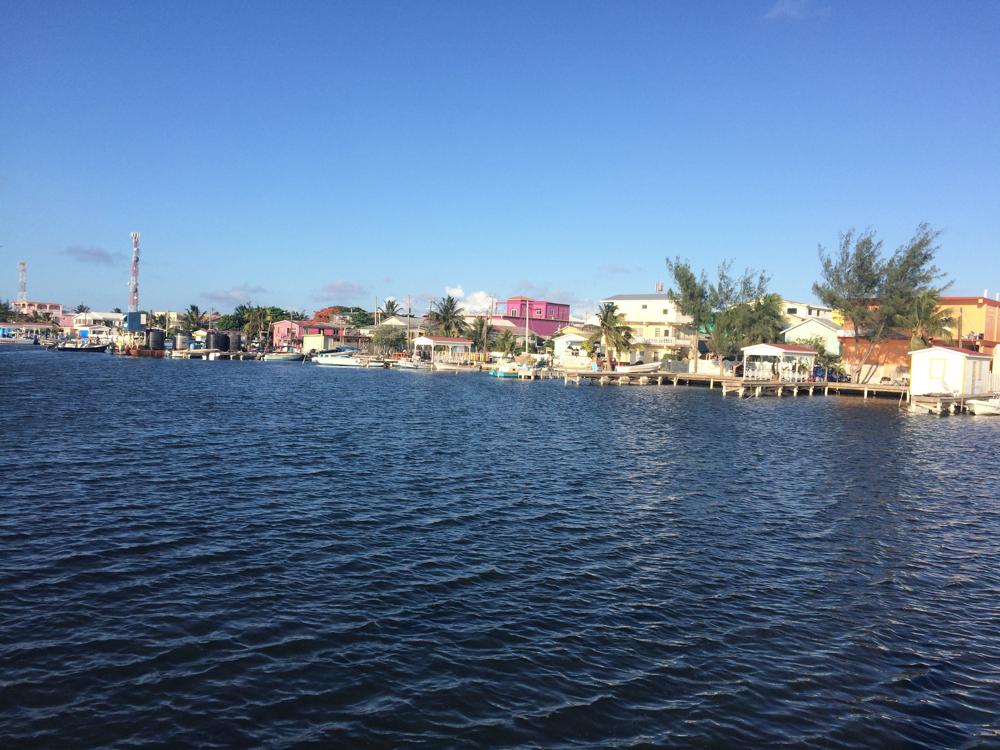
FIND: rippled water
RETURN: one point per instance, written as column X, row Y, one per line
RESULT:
column 240, row 554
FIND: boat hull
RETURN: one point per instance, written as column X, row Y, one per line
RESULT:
column 284, row 357
column 638, row 369
column 337, row 360
column 984, row 407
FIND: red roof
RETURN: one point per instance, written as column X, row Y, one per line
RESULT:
column 968, row 301
column 793, row 348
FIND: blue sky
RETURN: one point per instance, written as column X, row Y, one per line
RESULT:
column 304, row 154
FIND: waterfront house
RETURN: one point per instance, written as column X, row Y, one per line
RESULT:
column 543, row 318
column 823, row 329
column 888, row 359
column 90, row 319
column 568, row 347
column 784, row 362
column 291, row 334
column 947, row 370
column 658, row 328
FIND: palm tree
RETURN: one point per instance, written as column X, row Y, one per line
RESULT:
column 926, row 320
column 389, row 308
column 446, row 317
column 612, row 332
column 480, row 334
column 193, row 319
column 81, row 308
column 507, row 344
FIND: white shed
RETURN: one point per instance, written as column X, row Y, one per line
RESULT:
column 946, row 370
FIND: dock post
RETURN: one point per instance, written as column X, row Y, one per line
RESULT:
column 659, row 380
column 711, row 383
column 643, row 380
column 866, row 392
column 756, row 393
column 604, row 380
column 780, row 389
column 795, row 391
column 675, row 381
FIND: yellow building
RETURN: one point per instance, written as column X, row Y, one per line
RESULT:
column 977, row 320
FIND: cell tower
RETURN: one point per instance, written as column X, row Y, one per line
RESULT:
column 22, row 283
column 133, row 279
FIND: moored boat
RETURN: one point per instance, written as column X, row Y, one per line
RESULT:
column 984, row 407
column 76, row 346
column 339, row 358
column 284, row 357
column 639, row 367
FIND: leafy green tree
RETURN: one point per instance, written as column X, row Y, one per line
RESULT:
column 693, row 297
column 613, row 333
column 361, row 319
column 447, row 318
column 927, row 320
column 7, row 313
column 193, row 319
column 388, row 339
column 875, row 294
column 824, row 358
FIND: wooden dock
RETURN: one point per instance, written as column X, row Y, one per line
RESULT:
column 738, row 386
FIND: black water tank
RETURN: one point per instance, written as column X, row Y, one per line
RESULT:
column 234, row 342
column 214, row 340
column 181, row 341
column 156, row 339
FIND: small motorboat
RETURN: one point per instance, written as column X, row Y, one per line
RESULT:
column 638, row 368
column 506, row 370
column 284, row 357
column 984, row 407
column 339, row 358
column 81, row 346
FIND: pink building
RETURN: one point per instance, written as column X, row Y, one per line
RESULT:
column 287, row 334
column 544, row 318
column 42, row 308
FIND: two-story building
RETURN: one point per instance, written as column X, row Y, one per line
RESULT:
column 658, row 327
column 52, row 309
column 977, row 319
column 543, row 318
column 796, row 312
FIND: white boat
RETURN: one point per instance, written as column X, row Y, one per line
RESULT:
column 412, row 364
column 284, row 357
column 453, row 367
column 638, row 368
column 506, row 370
column 344, row 358
column 984, row 406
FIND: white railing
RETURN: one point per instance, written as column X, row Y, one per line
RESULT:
column 995, row 384
column 658, row 340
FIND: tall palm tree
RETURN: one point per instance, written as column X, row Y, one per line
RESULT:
column 446, row 317
column 193, row 319
column 480, row 334
column 389, row 308
column 926, row 320
column 81, row 308
column 258, row 324
column 612, row 332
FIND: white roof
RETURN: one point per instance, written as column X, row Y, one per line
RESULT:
column 952, row 350
column 825, row 322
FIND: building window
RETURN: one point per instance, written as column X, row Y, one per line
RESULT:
column 643, row 307
column 513, row 312
column 538, row 312
column 665, row 311
column 792, row 311
column 656, row 333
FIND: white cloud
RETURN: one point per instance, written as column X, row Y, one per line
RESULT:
column 454, row 291
column 477, row 302
column 95, row 255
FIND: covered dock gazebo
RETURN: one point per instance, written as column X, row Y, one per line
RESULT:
column 783, row 362
column 442, row 348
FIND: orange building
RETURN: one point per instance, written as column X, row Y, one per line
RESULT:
column 890, row 357
column 978, row 320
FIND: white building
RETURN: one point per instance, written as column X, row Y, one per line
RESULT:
column 658, row 327
column 815, row 328
column 945, row 370
column 796, row 312
column 92, row 318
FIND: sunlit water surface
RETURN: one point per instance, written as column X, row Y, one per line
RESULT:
column 247, row 554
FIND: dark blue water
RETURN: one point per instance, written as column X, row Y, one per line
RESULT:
column 240, row 554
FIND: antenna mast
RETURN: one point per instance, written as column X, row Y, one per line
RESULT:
column 133, row 280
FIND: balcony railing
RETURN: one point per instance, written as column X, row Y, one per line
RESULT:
column 659, row 340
